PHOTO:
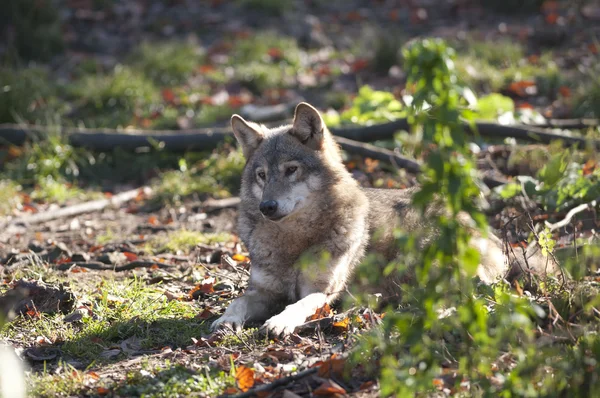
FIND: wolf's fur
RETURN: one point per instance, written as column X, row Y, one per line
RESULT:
column 320, row 209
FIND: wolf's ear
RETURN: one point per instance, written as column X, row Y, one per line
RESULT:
column 247, row 135
column 308, row 126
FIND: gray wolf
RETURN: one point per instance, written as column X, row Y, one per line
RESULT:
column 299, row 203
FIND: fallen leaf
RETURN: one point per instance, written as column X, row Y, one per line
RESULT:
column 552, row 18
column 342, row 324
column 564, row 91
column 589, row 167
column 240, row 258
column 518, row 287
column 244, row 378
column 329, row 387
column 102, row 391
column 152, row 220
column 130, row 256
column 322, row 312
column 168, row 95
column 334, row 366
column 523, row 88
column 206, row 314
column 359, row 65
column 230, row 391
column 366, row 385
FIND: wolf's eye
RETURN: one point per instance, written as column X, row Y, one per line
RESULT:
column 290, row 170
column 261, row 175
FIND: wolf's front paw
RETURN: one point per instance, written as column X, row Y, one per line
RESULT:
column 283, row 324
column 228, row 322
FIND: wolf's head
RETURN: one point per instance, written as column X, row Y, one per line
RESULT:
column 286, row 165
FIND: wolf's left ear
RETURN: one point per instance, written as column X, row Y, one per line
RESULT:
column 247, row 134
column 308, row 126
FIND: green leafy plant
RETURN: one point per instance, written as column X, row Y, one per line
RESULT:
column 369, row 107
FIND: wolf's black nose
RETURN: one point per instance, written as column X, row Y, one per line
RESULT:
column 268, row 207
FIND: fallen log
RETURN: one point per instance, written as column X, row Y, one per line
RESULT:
column 208, row 138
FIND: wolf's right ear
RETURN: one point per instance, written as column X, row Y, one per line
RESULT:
column 309, row 126
column 246, row 134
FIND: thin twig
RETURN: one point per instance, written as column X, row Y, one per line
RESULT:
column 564, row 222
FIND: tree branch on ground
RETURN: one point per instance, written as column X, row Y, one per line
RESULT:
column 81, row 208
column 565, row 221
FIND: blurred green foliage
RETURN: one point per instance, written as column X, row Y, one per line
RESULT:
column 167, row 63
column 36, row 31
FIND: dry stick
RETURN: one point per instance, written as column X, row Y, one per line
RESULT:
column 382, row 154
column 385, row 155
column 277, row 383
column 100, row 266
column 69, row 211
column 564, row 222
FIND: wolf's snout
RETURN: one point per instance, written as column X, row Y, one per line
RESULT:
column 268, row 207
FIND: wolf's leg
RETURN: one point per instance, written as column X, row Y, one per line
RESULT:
column 253, row 305
column 295, row 314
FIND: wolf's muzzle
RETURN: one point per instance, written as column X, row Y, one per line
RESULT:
column 268, row 207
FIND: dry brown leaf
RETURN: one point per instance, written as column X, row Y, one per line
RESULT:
column 334, row 366
column 244, row 378
column 329, row 387
column 322, row 312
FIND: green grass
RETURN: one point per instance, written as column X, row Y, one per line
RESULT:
column 9, row 196
column 167, row 63
column 492, row 66
column 114, row 99
column 122, row 309
column 26, row 94
column 173, row 380
column 265, row 60
column 218, row 175
column 183, row 241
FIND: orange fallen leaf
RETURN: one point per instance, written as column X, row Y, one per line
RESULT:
column 552, row 18
column 359, row 65
column 366, row 385
column 518, row 287
column 522, row 88
column 244, row 378
column 152, row 220
column 565, row 91
column 275, row 52
column 206, row 68
column 525, row 105
column 342, row 324
column 329, row 387
column 102, row 391
column 130, row 256
column 322, row 312
column 334, row 366
column 240, row 258
column 168, row 95
column 589, row 167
